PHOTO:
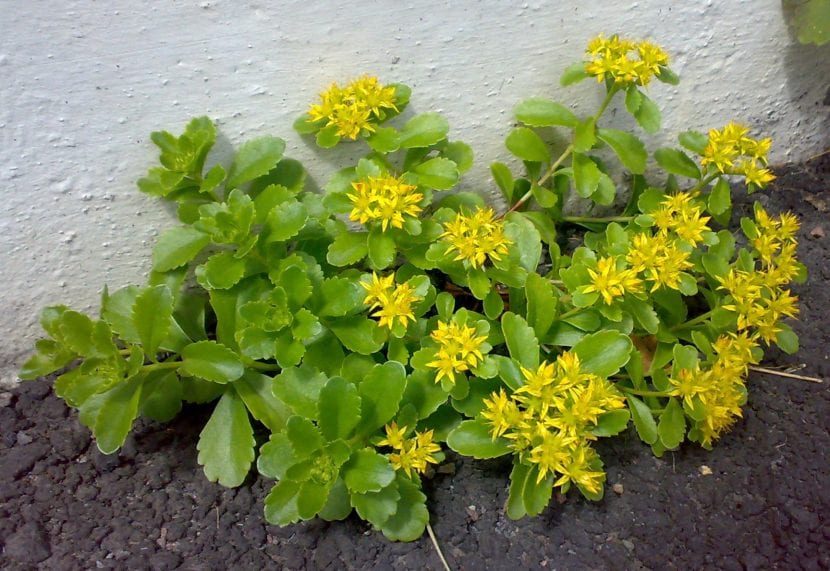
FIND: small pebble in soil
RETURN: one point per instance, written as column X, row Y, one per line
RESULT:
column 817, row 232
column 618, row 489
column 705, row 470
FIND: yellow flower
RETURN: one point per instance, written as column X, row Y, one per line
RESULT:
column 610, row 281
column 689, row 384
column 577, row 469
column 501, row 412
column 395, row 436
column 459, row 349
column 476, row 237
column 414, row 454
column 726, row 146
column 391, row 304
column 624, row 61
column 551, row 454
column 385, row 199
column 355, row 108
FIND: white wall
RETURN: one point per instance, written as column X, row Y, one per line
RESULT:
column 82, row 84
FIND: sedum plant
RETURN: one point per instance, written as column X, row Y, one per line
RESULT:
column 368, row 327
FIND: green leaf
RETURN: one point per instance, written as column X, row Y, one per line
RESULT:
column 676, row 162
column 359, row 334
column 672, row 425
column 460, row 153
column 811, row 20
column 299, row 388
column 644, row 314
column 255, row 390
column 536, row 494
column 504, row 179
column 786, row 339
column 285, row 221
column 347, row 248
column 630, row 149
column 493, row 304
column 211, row 361
column 281, row 503
column 311, row 498
column 720, row 199
column 305, row 437
column 586, row 175
column 541, row 304
column 377, row 507
column 367, row 471
column 381, row 249
column 221, row 271
column 527, row 145
column 341, row 296
column 643, row 419
column 611, row 423
column 695, row 141
column 276, row 456
column 384, row 140
column 515, row 501
column 338, row 507
column 339, row 407
column 647, row 115
column 226, row 444
column 478, row 282
column 521, row 340
column 177, row 246
column 574, row 73
column 542, row 112
column 585, row 135
column 161, row 396
column 472, row 438
column 254, row 159
column 411, row 517
column 118, row 409
column 152, row 317
column 424, row 130
column 603, row 353
column 380, row 394
column 117, row 310
column 438, row 173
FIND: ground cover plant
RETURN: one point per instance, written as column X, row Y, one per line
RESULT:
column 368, row 326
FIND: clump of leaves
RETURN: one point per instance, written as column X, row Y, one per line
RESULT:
column 366, row 326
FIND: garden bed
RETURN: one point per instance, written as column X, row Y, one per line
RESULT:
column 759, row 500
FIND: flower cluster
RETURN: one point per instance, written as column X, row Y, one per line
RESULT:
column 411, row 454
column 355, row 108
column 611, row 279
column 476, row 237
column 759, row 297
column 549, row 420
column 658, row 259
column 731, row 151
column 384, row 199
column 459, row 349
column 718, row 391
column 393, row 302
column 611, row 58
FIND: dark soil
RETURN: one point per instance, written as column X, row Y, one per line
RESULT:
column 760, row 500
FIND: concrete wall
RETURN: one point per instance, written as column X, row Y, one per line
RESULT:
column 82, row 84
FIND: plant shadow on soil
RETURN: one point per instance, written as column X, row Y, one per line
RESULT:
column 759, row 500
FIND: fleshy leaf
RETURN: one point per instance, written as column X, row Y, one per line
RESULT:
column 367, row 471
column 226, row 444
column 254, row 159
column 211, row 361
column 472, row 438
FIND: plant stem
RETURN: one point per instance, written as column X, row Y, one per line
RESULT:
column 565, row 154
column 704, row 182
column 263, row 366
column 164, row 365
column 641, row 393
column 785, row 374
column 588, row 219
column 700, row 318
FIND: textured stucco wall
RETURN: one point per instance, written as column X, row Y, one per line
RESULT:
column 82, row 84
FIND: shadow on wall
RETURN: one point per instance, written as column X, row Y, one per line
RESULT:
column 809, row 21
